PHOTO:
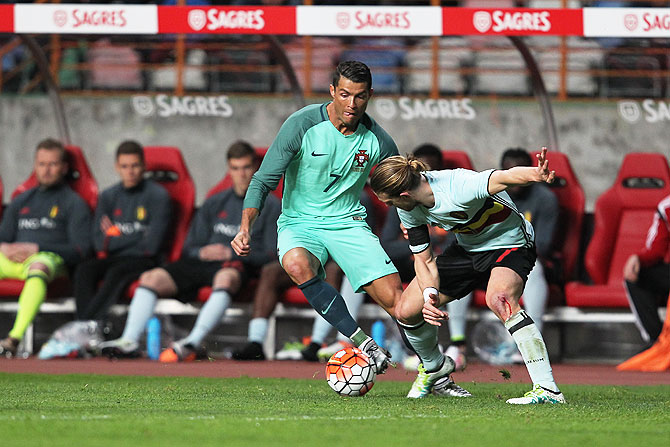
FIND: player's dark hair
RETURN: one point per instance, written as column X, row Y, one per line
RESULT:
column 396, row 175
column 130, row 148
column 52, row 144
column 431, row 152
column 355, row 71
column 241, row 149
column 518, row 154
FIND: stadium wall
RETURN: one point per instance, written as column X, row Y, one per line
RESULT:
column 595, row 134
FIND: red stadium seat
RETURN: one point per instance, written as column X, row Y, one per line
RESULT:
column 571, row 200
column 622, row 216
column 79, row 177
column 81, row 180
column 165, row 165
column 456, row 159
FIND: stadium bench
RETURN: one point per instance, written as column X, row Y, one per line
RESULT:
column 239, row 312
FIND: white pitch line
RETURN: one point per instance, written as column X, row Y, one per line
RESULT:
column 46, row 417
column 348, row 418
column 90, row 417
column 97, row 417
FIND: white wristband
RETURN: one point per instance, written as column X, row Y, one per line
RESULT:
column 427, row 292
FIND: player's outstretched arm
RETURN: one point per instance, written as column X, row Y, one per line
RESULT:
column 522, row 175
column 241, row 242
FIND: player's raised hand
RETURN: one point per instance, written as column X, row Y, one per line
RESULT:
column 545, row 175
column 241, row 243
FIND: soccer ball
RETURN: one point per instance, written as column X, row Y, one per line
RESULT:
column 350, row 372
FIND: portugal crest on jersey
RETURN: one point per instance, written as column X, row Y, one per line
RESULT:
column 53, row 212
column 362, row 157
column 141, row 213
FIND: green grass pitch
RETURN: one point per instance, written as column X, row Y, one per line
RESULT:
column 86, row 410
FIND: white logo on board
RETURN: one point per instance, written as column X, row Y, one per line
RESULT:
column 165, row 106
column 629, row 111
column 143, row 105
column 407, row 108
column 60, row 18
column 630, row 21
column 197, row 19
column 482, row 21
column 343, row 20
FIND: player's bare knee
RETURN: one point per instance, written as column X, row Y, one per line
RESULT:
column 297, row 268
column 228, row 279
column 151, row 278
column 38, row 266
column 501, row 304
column 406, row 313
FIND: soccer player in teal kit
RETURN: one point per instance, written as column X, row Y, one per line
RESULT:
column 326, row 152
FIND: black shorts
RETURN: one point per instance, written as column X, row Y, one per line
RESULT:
column 191, row 274
column 461, row 272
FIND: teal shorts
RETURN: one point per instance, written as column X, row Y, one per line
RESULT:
column 352, row 246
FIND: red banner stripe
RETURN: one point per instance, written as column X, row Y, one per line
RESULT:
column 6, row 18
column 512, row 22
column 227, row 20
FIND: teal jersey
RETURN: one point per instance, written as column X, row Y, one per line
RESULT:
column 324, row 170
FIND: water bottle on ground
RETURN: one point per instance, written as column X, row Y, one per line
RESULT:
column 379, row 333
column 154, row 338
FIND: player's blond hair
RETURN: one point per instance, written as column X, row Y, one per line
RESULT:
column 396, row 175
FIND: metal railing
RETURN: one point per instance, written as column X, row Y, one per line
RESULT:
column 435, row 66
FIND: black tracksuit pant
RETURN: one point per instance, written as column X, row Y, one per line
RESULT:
column 646, row 296
column 116, row 273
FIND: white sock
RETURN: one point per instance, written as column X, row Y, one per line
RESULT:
column 140, row 311
column 533, row 350
column 209, row 316
column 535, row 294
column 458, row 312
column 258, row 329
column 423, row 339
column 320, row 330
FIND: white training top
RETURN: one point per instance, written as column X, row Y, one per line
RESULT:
column 463, row 205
